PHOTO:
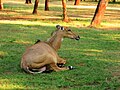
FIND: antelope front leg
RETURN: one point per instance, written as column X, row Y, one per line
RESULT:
column 56, row 68
column 61, row 61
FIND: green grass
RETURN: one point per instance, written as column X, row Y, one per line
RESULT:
column 96, row 55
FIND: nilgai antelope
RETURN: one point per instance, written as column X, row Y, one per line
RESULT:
column 43, row 55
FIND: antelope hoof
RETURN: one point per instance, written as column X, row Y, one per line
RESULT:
column 71, row 67
column 77, row 38
column 60, row 65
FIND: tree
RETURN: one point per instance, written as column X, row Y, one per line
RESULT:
column 82, row 0
column 114, row 1
column 46, row 5
column 94, row 0
column 1, row 5
column 99, row 13
column 35, row 7
column 77, row 2
column 28, row 2
column 65, row 17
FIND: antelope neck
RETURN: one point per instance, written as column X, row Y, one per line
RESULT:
column 55, row 41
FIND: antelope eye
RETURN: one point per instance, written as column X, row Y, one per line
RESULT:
column 69, row 30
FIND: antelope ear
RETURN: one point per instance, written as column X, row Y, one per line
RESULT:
column 58, row 26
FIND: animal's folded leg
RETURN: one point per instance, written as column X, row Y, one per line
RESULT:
column 40, row 70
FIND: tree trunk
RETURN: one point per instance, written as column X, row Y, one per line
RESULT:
column 28, row 2
column 46, row 5
column 35, row 6
column 65, row 17
column 114, row 1
column 99, row 13
column 82, row 0
column 1, row 7
column 77, row 2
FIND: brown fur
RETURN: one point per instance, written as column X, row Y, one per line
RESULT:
column 45, row 53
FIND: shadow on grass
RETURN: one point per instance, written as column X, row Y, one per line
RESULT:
column 114, row 2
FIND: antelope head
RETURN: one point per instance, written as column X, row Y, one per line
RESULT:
column 58, row 35
column 67, row 32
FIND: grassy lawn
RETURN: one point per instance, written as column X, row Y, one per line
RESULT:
column 96, row 55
